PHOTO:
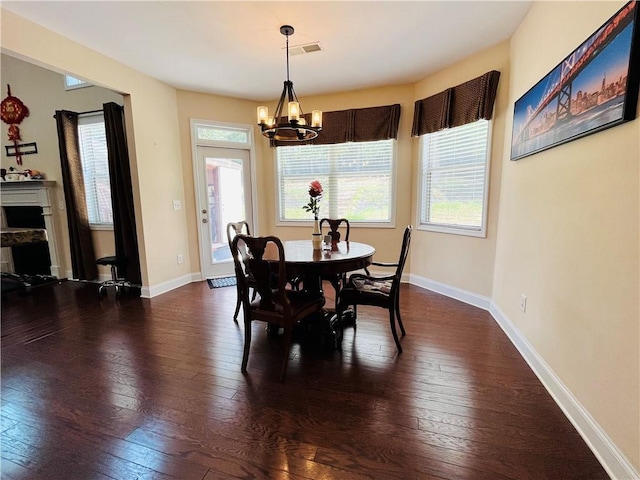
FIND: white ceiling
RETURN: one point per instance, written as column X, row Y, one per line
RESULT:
column 235, row 48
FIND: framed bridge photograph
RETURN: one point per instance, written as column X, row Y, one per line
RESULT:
column 595, row 87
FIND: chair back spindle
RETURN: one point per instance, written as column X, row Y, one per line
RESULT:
column 334, row 226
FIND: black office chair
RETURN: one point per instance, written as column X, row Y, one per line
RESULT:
column 116, row 282
column 377, row 291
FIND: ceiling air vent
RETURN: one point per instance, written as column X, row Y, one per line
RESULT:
column 304, row 49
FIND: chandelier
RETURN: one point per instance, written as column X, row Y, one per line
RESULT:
column 295, row 126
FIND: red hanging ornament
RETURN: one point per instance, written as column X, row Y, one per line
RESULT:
column 12, row 112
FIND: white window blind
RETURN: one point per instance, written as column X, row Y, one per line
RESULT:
column 357, row 180
column 95, row 168
column 454, row 172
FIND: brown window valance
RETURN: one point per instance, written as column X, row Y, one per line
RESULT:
column 466, row 103
column 355, row 125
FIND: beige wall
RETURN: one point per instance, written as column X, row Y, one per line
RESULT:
column 386, row 241
column 569, row 239
column 151, row 113
column 460, row 261
column 568, row 230
column 192, row 105
column 43, row 92
column 230, row 110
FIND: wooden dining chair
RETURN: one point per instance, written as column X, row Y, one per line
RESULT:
column 277, row 306
column 334, row 228
column 377, row 291
column 233, row 229
column 335, row 225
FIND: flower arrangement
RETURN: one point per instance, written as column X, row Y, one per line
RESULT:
column 315, row 195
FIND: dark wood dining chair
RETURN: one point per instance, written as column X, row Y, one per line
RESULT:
column 233, row 229
column 278, row 306
column 335, row 226
column 377, row 291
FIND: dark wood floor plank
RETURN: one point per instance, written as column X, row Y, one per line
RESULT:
column 152, row 388
column 102, row 454
column 19, row 455
column 232, row 458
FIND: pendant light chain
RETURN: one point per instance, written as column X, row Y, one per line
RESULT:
column 287, row 57
column 296, row 127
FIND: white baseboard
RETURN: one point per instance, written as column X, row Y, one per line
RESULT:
column 164, row 287
column 611, row 458
column 453, row 292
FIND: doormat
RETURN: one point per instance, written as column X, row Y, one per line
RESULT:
column 221, row 282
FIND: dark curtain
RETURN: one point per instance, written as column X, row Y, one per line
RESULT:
column 124, row 221
column 83, row 257
column 465, row 103
column 355, row 125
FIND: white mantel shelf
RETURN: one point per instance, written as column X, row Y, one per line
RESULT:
column 35, row 193
column 21, row 183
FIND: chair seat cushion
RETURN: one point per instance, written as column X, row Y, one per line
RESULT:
column 113, row 260
column 372, row 286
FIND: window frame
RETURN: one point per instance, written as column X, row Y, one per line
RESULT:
column 480, row 232
column 82, row 119
column 391, row 223
column 195, row 123
column 74, row 86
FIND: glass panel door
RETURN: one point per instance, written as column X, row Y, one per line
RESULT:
column 225, row 197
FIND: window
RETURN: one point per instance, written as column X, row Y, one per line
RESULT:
column 357, row 178
column 454, row 170
column 71, row 83
column 95, row 169
column 221, row 134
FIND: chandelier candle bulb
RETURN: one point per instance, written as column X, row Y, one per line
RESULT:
column 301, row 122
column 316, row 118
column 294, row 111
column 263, row 115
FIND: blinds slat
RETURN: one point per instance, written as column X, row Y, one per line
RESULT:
column 453, row 169
column 357, row 180
column 95, row 169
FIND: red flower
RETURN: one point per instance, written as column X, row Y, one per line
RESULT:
column 315, row 189
column 315, row 195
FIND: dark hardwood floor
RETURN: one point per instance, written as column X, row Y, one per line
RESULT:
column 152, row 389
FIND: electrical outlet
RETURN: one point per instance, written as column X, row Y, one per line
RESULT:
column 177, row 205
column 180, row 259
column 523, row 302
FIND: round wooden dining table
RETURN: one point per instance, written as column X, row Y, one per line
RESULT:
column 309, row 265
column 301, row 260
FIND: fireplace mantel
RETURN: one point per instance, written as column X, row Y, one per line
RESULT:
column 35, row 193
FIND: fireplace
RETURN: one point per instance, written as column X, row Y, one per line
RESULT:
column 30, row 204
